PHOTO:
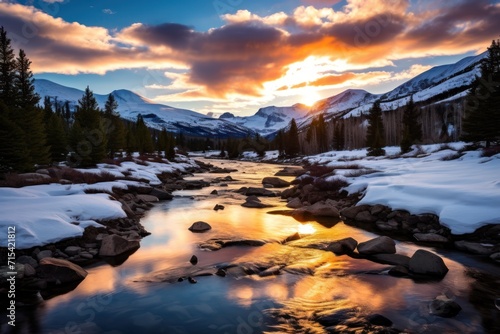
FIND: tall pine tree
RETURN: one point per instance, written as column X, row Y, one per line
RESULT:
column 482, row 110
column 412, row 128
column 115, row 126
column 7, row 71
column 375, row 132
column 292, row 145
column 143, row 136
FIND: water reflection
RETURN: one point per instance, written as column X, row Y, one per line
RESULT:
column 309, row 282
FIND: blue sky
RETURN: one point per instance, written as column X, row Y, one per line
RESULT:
column 240, row 55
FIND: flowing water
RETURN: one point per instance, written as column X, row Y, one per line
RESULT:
column 135, row 296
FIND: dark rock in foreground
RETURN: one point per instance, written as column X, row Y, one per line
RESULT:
column 380, row 245
column 444, row 307
column 59, row 271
column 113, row 245
column 275, row 182
column 200, row 227
column 427, row 263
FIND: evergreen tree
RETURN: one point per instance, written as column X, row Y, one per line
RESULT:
column 412, row 129
column 143, row 136
column 47, row 109
column 14, row 153
column 7, row 71
column 321, row 135
column 339, row 136
column 482, row 110
column 280, row 143
column 114, row 126
column 91, row 145
column 375, row 132
column 56, row 138
column 292, row 145
column 27, row 114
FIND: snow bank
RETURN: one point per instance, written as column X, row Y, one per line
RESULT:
column 464, row 193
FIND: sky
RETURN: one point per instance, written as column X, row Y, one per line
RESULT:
column 216, row 56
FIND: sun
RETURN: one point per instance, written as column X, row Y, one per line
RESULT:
column 306, row 229
column 309, row 96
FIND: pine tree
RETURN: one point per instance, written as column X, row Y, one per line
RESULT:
column 321, row 135
column 14, row 154
column 114, row 126
column 91, row 145
column 375, row 132
column 280, row 143
column 26, row 112
column 143, row 136
column 482, row 110
column 412, row 128
column 339, row 135
column 57, row 138
column 7, row 71
column 292, row 145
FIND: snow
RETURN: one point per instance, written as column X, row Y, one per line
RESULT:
column 48, row 213
column 464, row 193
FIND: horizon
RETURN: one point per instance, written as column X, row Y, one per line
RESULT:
column 237, row 56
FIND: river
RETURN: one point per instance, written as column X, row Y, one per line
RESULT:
column 130, row 297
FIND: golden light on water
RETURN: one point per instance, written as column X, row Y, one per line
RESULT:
column 306, row 229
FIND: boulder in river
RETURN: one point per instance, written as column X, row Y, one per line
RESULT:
column 60, row 271
column 113, row 245
column 444, row 307
column 343, row 246
column 200, row 227
column 380, row 245
column 426, row 263
column 259, row 192
column 275, row 182
column 474, row 247
column 295, row 203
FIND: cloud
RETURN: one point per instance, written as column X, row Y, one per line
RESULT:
column 53, row 1
column 253, row 56
column 108, row 11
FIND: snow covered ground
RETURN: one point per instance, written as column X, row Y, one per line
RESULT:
column 464, row 193
column 44, row 214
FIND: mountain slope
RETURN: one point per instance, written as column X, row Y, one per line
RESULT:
column 157, row 116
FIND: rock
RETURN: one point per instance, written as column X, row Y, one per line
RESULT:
column 200, row 227
column 293, row 237
column 72, row 250
column 291, row 171
column 444, row 307
column 473, row 247
column 113, row 245
column 379, row 320
column 25, row 259
column 192, row 280
column 60, row 271
column 343, row 246
column 221, row 272
column 44, row 254
column 365, row 217
column 295, row 203
column 495, row 257
column 193, row 260
column 253, row 198
column 391, row 225
column 399, row 271
column 352, row 212
column 86, row 255
column 128, row 210
column 148, row 198
column 29, row 271
column 320, row 209
column 377, row 209
column 161, row 194
column 259, row 192
column 275, row 270
column 393, row 259
column 275, row 182
column 33, row 177
column 218, row 207
column 427, row 263
column 214, row 192
column 430, row 237
column 255, row 204
column 380, row 245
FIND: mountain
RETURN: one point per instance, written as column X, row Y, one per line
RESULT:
column 269, row 119
column 157, row 116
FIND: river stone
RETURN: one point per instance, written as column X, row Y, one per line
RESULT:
column 72, row 250
column 399, row 271
column 353, row 211
column 322, row 210
column 379, row 320
column 495, row 257
column 29, row 271
column 343, row 246
column 380, row 245
column 393, row 259
column 113, row 245
column 25, row 259
column 365, row 217
column 275, row 270
column 259, row 192
column 218, row 207
column 60, row 271
column 161, row 194
column 255, row 204
column 444, row 307
column 200, row 227
column 214, row 192
column 430, row 237
column 294, row 203
column 275, row 182
column 147, row 198
column 193, row 260
column 43, row 254
column 473, row 247
column 426, row 263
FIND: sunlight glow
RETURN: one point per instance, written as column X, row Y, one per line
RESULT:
column 306, row 229
column 309, row 96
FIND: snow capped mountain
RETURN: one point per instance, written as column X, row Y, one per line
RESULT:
column 269, row 119
column 343, row 102
column 157, row 116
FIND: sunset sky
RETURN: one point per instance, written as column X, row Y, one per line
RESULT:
column 240, row 55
